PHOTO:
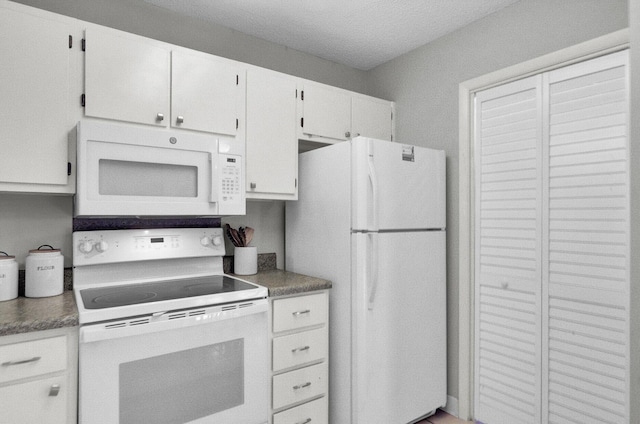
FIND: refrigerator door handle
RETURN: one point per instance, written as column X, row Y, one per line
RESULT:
column 373, row 267
column 374, row 188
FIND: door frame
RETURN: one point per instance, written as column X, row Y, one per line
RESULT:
column 600, row 46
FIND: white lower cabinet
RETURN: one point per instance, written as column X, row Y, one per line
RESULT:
column 310, row 412
column 38, row 377
column 300, row 359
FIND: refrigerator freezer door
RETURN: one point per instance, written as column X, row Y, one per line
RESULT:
column 397, row 186
column 399, row 326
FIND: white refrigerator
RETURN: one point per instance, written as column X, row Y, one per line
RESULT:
column 371, row 218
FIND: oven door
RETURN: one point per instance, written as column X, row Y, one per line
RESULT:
column 124, row 170
column 207, row 365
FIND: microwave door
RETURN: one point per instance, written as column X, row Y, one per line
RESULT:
column 132, row 180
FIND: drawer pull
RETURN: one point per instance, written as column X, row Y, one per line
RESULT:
column 54, row 390
column 302, row 386
column 298, row 313
column 24, row 361
column 300, row 349
column 307, row 421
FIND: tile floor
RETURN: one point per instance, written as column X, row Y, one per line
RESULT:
column 442, row 417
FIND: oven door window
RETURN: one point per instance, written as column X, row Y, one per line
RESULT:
column 182, row 386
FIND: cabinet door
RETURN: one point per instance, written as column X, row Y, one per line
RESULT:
column 371, row 118
column 272, row 148
column 326, row 112
column 35, row 402
column 126, row 77
column 204, row 92
column 34, row 106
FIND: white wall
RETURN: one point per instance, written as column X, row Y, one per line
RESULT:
column 424, row 85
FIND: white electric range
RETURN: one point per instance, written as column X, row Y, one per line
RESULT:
column 165, row 335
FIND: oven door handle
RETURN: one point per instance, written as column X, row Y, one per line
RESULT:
column 168, row 321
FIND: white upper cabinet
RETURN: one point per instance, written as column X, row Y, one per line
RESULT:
column 136, row 79
column 126, row 77
column 35, row 75
column 272, row 148
column 325, row 113
column 204, row 93
column 371, row 117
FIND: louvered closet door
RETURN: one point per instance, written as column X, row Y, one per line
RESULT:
column 508, row 253
column 586, row 328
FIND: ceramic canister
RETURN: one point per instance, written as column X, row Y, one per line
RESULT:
column 44, row 272
column 8, row 277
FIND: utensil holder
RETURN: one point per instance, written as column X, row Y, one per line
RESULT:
column 245, row 260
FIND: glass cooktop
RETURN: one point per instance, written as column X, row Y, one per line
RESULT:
column 111, row 297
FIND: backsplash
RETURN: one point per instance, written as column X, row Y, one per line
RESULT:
column 266, row 262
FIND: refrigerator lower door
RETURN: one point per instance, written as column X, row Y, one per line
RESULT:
column 398, row 326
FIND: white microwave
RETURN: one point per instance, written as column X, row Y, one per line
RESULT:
column 129, row 170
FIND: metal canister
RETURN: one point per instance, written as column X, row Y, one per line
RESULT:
column 44, row 272
column 8, row 277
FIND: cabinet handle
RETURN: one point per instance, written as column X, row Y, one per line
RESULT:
column 307, row 421
column 253, row 185
column 298, row 313
column 300, row 349
column 160, row 117
column 347, row 134
column 24, row 361
column 54, row 390
column 302, row 386
column 180, row 119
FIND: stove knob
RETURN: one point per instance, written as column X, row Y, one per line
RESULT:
column 102, row 246
column 85, row 247
column 217, row 240
column 204, row 241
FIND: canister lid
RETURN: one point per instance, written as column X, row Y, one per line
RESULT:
column 5, row 255
column 41, row 250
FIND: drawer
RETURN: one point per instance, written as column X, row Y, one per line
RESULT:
column 300, row 348
column 315, row 412
column 299, row 385
column 299, row 312
column 28, row 359
column 35, row 402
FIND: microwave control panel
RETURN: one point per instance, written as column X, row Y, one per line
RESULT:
column 231, row 197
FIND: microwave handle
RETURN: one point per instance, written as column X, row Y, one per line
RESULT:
column 214, row 163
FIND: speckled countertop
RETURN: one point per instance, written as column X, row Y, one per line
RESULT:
column 282, row 283
column 23, row 315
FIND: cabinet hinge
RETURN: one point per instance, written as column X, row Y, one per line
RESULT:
column 68, row 168
column 302, row 122
column 296, row 183
column 302, row 95
column 296, row 93
column 70, row 41
column 82, row 100
column 84, row 45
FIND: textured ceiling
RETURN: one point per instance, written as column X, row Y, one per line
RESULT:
column 358, row 33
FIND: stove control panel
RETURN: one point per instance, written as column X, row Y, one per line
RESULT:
column 113, row 246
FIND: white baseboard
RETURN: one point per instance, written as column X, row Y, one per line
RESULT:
column 451, row 407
